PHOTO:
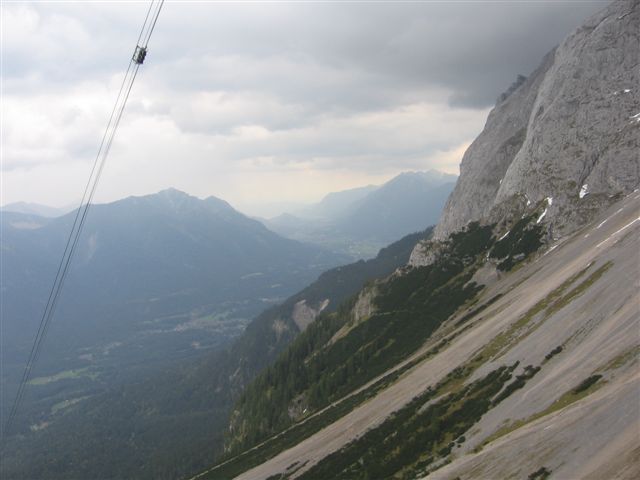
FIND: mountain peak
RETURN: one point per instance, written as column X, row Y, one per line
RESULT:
column 431, row 178
column 169, row 198
column 215, row 201
column 177, row 201
column 172, row 192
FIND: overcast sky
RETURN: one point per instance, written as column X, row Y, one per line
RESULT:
column 258, row 103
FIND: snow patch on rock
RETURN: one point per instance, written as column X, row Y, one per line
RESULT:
column 584, row 191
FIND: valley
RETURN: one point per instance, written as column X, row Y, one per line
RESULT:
column 175, row 383
column 361, row 221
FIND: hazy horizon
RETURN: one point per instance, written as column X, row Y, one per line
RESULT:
column 259, row 104
column 265, row 209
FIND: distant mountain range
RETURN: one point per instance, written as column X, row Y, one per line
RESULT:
column 183, row 251
column 336, row 204
column 360, row 221
column 36, row 209
column 155, row 278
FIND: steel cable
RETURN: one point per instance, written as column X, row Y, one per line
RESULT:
column 85, row 204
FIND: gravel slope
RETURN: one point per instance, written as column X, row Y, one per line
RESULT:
column 598, row 435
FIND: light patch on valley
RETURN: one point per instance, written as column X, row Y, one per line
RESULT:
column 25, row 225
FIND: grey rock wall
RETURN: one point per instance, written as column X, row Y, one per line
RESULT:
column 571, row 127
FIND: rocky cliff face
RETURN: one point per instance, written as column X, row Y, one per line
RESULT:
column 569, row 132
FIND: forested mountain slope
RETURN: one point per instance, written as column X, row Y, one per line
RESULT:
column 538, row 374
column 171, row 423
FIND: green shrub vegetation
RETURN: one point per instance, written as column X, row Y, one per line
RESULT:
column 541, row 474
column 586, row 384
column 523, row 239
column 415, row 437
column 586, row 387
column 553, row 353
column 518, row 383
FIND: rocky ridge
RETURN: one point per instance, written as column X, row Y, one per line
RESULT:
column 569, row 132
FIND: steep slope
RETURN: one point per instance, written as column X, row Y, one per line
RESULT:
column 571, row 127
column 170, row 424
column 275, row 328
column 545, row 357
column 508, row 346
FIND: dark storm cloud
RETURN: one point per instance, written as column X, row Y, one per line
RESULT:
column 474, row 49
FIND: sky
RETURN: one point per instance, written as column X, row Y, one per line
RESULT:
column 263, row 104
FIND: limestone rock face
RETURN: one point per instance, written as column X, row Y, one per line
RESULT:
column 304, row 314
column 486, row 161
column 569, row 132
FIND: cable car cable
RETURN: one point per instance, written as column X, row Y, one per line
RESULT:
column 87, row 197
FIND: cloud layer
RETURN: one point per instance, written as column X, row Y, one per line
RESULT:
column 257, row 102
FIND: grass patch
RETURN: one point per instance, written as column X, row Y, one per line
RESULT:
column 579, row 290
column 65, row 375
column 477, row 310
column 620, row 360
column 546, row 307
column 414, row 437
column 66, row 404
column 586, row 387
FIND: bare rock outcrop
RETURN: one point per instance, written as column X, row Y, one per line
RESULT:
column 304, row 314
column 569, row 132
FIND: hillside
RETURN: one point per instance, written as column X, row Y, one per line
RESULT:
column 360, row 221
column 544, row 358
column 336, row 204
column 156, row 280
column 142, row 258
column 508, row 346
